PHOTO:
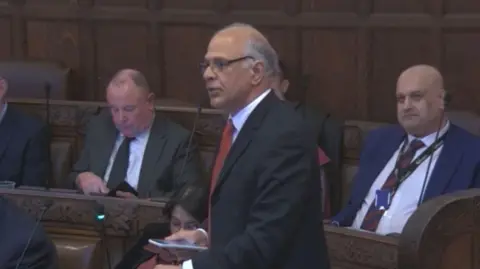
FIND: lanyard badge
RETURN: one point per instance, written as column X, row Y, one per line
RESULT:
column 383, row 198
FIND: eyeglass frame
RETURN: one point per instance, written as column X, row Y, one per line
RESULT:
column 221, row 63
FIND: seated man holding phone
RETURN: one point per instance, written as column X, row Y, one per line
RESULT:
column 131, row 151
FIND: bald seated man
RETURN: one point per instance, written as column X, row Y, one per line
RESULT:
column 392, row 179
column 131, row 150
column 266, row 209
column 24, row 145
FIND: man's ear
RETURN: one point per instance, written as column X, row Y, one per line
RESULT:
column 284, row 86
column 151, row 100
column 3, row 84
column 258, row 72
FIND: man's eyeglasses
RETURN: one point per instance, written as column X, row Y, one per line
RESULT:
column 218, row 64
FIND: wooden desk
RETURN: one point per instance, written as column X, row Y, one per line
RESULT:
column 443, row 233
column 72, row 222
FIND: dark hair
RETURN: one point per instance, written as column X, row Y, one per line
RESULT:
column 283, row 70
column 193, row 198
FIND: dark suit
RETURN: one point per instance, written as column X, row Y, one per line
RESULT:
column 137, row 255
column 24, row 149
column 266, row 205
column 329, row 133
column 164, row 159
column 457, row 167
column 15, row 228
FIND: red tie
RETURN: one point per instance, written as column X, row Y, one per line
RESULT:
column 225, row 144
column 374, row 215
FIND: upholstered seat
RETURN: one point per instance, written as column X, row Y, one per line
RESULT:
column 29, row 79
column 61, row 157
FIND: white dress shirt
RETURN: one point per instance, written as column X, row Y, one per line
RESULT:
column 238, row 120
column 405, row 200
column 135, row 159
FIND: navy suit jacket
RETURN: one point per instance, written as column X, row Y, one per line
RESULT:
column 24, row 154
column 16, row 227
column 457, row 167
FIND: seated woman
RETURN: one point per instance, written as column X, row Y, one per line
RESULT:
column 186, row 210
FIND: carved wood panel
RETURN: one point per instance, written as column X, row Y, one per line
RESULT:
column 344, row 56
column 5, row 33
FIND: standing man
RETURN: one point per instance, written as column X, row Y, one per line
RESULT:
column 266, row 210
column 24, row 142
column 130, row 143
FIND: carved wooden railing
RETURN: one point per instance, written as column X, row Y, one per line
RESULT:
column 69, row 119
column 73, row 222
column 444, row 233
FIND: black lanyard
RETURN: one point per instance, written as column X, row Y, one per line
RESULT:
column 416, row 163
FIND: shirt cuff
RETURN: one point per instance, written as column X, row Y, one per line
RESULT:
column 204, row 232
column 187, row 264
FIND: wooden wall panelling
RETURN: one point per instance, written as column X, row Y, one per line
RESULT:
column 349, row 52
column 6, row 34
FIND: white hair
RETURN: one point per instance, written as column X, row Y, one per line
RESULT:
column 259, row 49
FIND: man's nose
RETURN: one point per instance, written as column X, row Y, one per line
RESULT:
column 407, row 104
column 208, row 73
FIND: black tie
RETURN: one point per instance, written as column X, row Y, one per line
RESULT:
column 120, row 165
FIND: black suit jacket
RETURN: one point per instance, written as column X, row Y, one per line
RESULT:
column 266, row 205
column 164, row 159
column 24, row 149
column 15, row 229
column 329, row 134
column 137, row 254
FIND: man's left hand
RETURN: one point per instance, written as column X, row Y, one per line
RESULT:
column 124, row 194
column 166, row 266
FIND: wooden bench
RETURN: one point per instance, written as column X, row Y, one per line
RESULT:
column 444, row 233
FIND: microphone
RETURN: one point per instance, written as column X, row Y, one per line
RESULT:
column 446, row 100
column 45, row 207
column 189, row 145
column 48, row 88
column 100, row 217
column 190, row 139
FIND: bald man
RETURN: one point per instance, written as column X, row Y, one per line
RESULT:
column 24, row 145
column 132, row 151
column 266, row 210
column 392, row 179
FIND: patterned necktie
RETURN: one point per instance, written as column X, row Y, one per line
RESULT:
column 374, row 215
column 225, row 144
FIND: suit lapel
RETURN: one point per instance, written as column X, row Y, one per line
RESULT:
column 378, row 162
column 5, row 132
column 106, row 142
column 445, row 166
column 153, row 151
column 244, row 137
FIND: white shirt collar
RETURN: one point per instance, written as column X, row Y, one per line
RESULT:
column 430, row 139
column 3, row 112
column 241, row 116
